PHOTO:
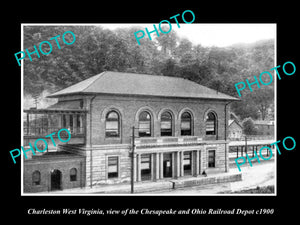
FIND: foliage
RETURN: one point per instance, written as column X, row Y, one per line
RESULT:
column 249, row 127
column 96, row 50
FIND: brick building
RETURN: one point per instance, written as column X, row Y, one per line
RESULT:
column 180, row 129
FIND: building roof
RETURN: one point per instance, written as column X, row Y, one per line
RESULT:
column 141, row 84
column 231, row 122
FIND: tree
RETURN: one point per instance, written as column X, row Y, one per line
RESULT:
column 263, row 99
column 249, row 127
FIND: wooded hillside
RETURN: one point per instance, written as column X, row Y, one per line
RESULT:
column 96, row 50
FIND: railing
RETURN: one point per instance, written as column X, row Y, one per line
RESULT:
column 43, row 131
column 253, row 138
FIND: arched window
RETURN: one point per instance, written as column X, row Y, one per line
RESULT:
column 166, row 124
column 73, row 174
column 144, row 124
column 36, row 178
column 186, row 124
column 211, row 124
column 112, row 124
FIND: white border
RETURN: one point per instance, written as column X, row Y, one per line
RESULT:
column 139, row 194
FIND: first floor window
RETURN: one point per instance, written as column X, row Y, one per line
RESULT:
column 211, row 158
column 112, row 167
column 73, row 174
column 36, row 177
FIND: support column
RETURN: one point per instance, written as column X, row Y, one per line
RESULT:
column 134, row 168
column 173, row 164
column 181, row 164
column 156, row 176
column 138, row 157
column 161, row 165
column 196, row 173
column 75, row 123
column 177, row 164
column 152, row 166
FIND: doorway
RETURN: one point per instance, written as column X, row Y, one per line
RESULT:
column 167, row 164
column 55, row 180
column 145, row 167
column 187, row 163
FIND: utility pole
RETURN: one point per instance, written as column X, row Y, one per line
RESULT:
column 132, row 160
column 246, row 144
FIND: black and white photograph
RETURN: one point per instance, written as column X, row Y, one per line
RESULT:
column 176, row 114
column 161, row 118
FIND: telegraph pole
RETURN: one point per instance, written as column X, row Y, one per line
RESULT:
column 132, row 160
column 246, row 144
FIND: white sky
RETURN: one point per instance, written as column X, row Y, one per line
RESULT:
column 220, row 35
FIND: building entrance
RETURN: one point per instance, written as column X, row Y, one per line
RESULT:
column 167, row 164
column 187, row 163
column 146, row 166
column 55, row 180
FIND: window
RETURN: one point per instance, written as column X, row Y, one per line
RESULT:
column 211, row 123
column 186, row 124
column 36, row 178
column 144, row 124
column 211, row 158
column 112, row 124
column 73, row 174
column 166, row 124
column 112, row 167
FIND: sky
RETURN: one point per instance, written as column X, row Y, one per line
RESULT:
column 220, row 35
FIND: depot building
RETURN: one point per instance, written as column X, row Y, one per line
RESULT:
column 176, row 127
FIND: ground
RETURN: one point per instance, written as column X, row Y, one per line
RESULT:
column 259, row 175
column 262, row 175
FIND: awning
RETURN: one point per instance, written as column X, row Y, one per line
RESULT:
column 60, row 107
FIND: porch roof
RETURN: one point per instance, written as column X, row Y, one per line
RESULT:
column 59, row 107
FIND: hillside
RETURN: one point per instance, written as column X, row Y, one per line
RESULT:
column 97, row 50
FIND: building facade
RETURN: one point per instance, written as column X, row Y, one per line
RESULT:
column 235, row 130
column 170, row 128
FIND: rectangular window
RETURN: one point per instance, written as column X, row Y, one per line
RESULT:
column 112, row 129
column 211, row 158
column 144, row 129
column 210, row 127
column 112, row 167
column 166, row 128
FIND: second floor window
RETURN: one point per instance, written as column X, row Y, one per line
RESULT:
column 112, row 125
column 144, row 124
column 166, row 124
column 211, row 124
column 186, row 124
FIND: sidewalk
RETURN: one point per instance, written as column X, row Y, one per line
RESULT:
column 148, row 187
column 258, row 175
